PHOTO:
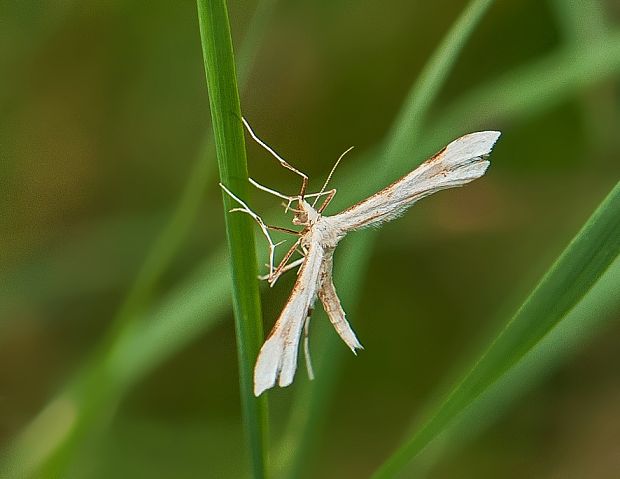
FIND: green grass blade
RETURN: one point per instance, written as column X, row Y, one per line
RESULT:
column 43, row 448
column 587, row 319
column 170, row 240
column 162, row 334
column 253, row 39
column 194, row 307
column 567, row 282
column 581, row 21
column 311, row 402
column 557, row 66
column 229, row 142
column 403, row 137
column 116, row 233
column 533, row 88
column 122, row 234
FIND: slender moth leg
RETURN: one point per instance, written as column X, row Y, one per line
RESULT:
column 270, row 191
column 304, row 177
column 246, row 209
column 330, row 197
column 289, row 199
column 288, row 267
column 307, row 345
column 273, row 277
column 293, row 265
column 312, row 195
column 283, row 230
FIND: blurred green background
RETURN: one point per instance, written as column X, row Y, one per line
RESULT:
column 103, row 119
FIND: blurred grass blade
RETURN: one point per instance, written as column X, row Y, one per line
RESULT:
column 581, row 21
column 534, row 87
column 575, row 69
column 42, row 449
column 403, row 137
column 567, row 282
column 166, row 246
column 121, row 236
column 252, row 40
column 311, row 402
column 128, row 235
column 229, row 142
column 170, row 240
column 195, row 307
column 587, row 319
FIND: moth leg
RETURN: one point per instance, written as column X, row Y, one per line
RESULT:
column 287, row 205
column 307, row 345
column 283, row 230
column 246, row 209
column 304, row 177
column 289, row 199
column 313, row 195
column 273, row 277
column 288, row 267
column 330, row 197
column 270, row 191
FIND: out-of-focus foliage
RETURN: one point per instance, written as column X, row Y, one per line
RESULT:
column 107, row 367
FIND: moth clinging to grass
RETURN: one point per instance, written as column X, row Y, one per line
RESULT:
column 462, row 161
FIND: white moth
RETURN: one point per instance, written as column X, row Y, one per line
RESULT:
column 460, row 162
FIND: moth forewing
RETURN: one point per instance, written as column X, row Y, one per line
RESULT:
column 457, row 164
column 277, row 359
column 333, row 308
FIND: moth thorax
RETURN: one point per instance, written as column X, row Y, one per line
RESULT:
column 300, row 218
column 305, row 215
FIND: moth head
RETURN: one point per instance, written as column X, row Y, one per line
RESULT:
column 305, row 215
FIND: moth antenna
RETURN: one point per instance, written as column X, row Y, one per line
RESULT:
column 329, row 177
column 283, row 162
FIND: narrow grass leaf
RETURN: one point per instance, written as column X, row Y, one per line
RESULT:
column 532, row 88
column 44, row 448
column 568, row 281
column 170, row 239
column 135, row 344
column 229, row 142
column 587, row 319
column 581, row 21
column 403, row 137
